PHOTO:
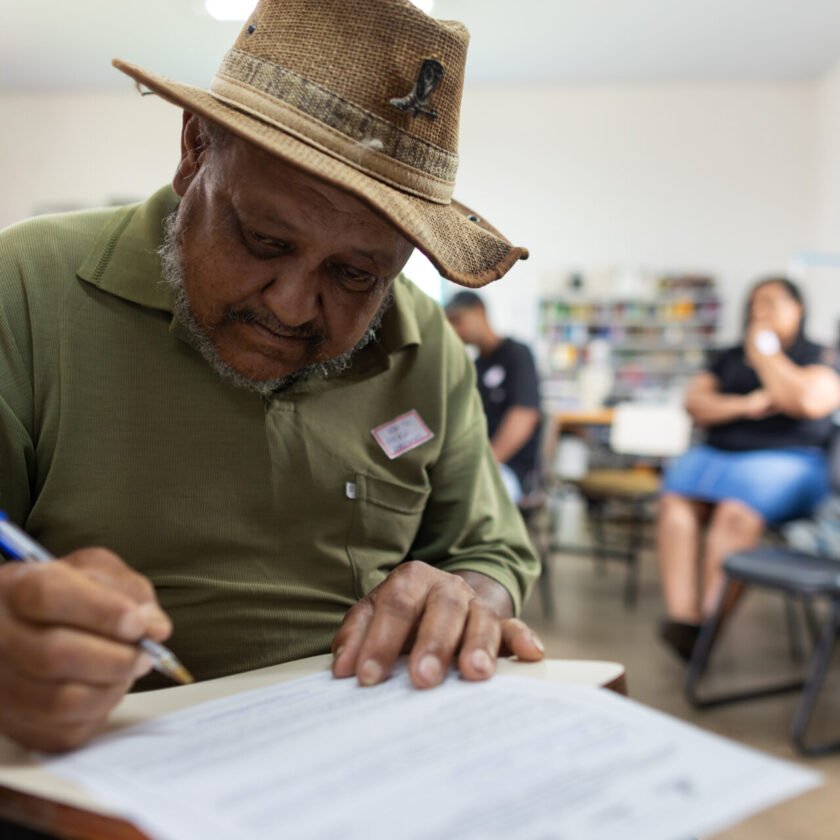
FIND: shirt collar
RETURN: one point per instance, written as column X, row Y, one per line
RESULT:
column 399, row 328
column 124, row 262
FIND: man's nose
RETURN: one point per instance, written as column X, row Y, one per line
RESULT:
column 293, row 296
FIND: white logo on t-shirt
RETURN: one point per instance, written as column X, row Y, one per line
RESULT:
column 493, row 377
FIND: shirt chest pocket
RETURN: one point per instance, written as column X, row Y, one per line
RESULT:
column 385, row 520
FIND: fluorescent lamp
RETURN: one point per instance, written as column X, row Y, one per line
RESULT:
column 230, row 9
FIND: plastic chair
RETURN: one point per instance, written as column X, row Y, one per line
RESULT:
column 796, row 574
column 793, row 573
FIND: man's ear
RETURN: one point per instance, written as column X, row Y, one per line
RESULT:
column 193, row 145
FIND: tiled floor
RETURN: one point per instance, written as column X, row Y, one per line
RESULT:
column 592, row 623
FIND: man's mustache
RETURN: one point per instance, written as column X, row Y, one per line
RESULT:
column 307, row 332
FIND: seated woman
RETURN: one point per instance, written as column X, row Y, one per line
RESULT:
column 767, row 405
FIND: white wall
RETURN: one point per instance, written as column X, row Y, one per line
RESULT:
column 88, row 149
column 718, row 178
column 819, row 271
column 828, row 162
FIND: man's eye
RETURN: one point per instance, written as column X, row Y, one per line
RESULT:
column 354, row 279
column 269, row 242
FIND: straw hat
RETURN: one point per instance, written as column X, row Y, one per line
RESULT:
column 366, row 96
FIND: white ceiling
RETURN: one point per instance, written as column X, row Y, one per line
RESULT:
column 68, row 44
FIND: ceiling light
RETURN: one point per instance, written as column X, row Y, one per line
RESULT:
column 230, row 9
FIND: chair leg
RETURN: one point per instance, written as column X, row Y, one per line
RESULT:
column 797, row 653
column 631, row 587
column 811, row 621
column 546, row 594
column 813, row 684
column 539, row 530
column 597, row 514
column 545, row 583
column 702, row 651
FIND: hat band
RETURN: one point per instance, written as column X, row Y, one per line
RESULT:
column 325, row 120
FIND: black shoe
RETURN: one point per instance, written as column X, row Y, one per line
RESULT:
column 680, row 636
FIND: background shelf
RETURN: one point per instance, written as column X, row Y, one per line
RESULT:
column 650, row 347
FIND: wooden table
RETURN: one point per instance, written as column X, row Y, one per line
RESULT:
column 575, row 419
column 37, row 799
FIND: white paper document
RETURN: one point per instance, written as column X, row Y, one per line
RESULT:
column 509, row 758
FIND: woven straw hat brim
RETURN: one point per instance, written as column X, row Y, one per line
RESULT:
column 468, row 252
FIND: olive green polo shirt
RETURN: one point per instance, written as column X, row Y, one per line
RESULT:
column 259, row 522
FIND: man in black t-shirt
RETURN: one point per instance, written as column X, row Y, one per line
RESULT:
column 509, row 388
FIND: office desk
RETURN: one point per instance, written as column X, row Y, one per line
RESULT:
column 40, row 800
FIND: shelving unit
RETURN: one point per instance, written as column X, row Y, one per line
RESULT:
column 655, row 344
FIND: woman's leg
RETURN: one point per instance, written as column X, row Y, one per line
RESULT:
column 734, row 527
column 678, row 525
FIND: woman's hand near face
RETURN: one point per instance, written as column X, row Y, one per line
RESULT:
column 761, row 343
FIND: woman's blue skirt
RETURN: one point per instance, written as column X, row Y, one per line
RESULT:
column 779, row 484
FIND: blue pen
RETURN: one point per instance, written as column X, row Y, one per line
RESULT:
column 20, row 546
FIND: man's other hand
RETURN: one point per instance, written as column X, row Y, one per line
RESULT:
column 439, row 618
column 67, row 645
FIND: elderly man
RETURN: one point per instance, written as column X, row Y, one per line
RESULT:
column 227, row 413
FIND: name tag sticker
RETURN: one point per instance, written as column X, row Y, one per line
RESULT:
column 406, row 432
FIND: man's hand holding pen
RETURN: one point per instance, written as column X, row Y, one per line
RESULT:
column 71, row 634
column 68, row 645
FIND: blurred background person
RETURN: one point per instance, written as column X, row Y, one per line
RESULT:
column 510, row 392
column 767, row 406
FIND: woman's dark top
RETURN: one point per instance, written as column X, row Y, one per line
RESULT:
column 778, row 431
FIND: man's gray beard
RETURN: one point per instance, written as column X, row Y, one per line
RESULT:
column 172, row 272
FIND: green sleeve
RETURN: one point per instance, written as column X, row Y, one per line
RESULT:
column 17, row 450
column 470, row 523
